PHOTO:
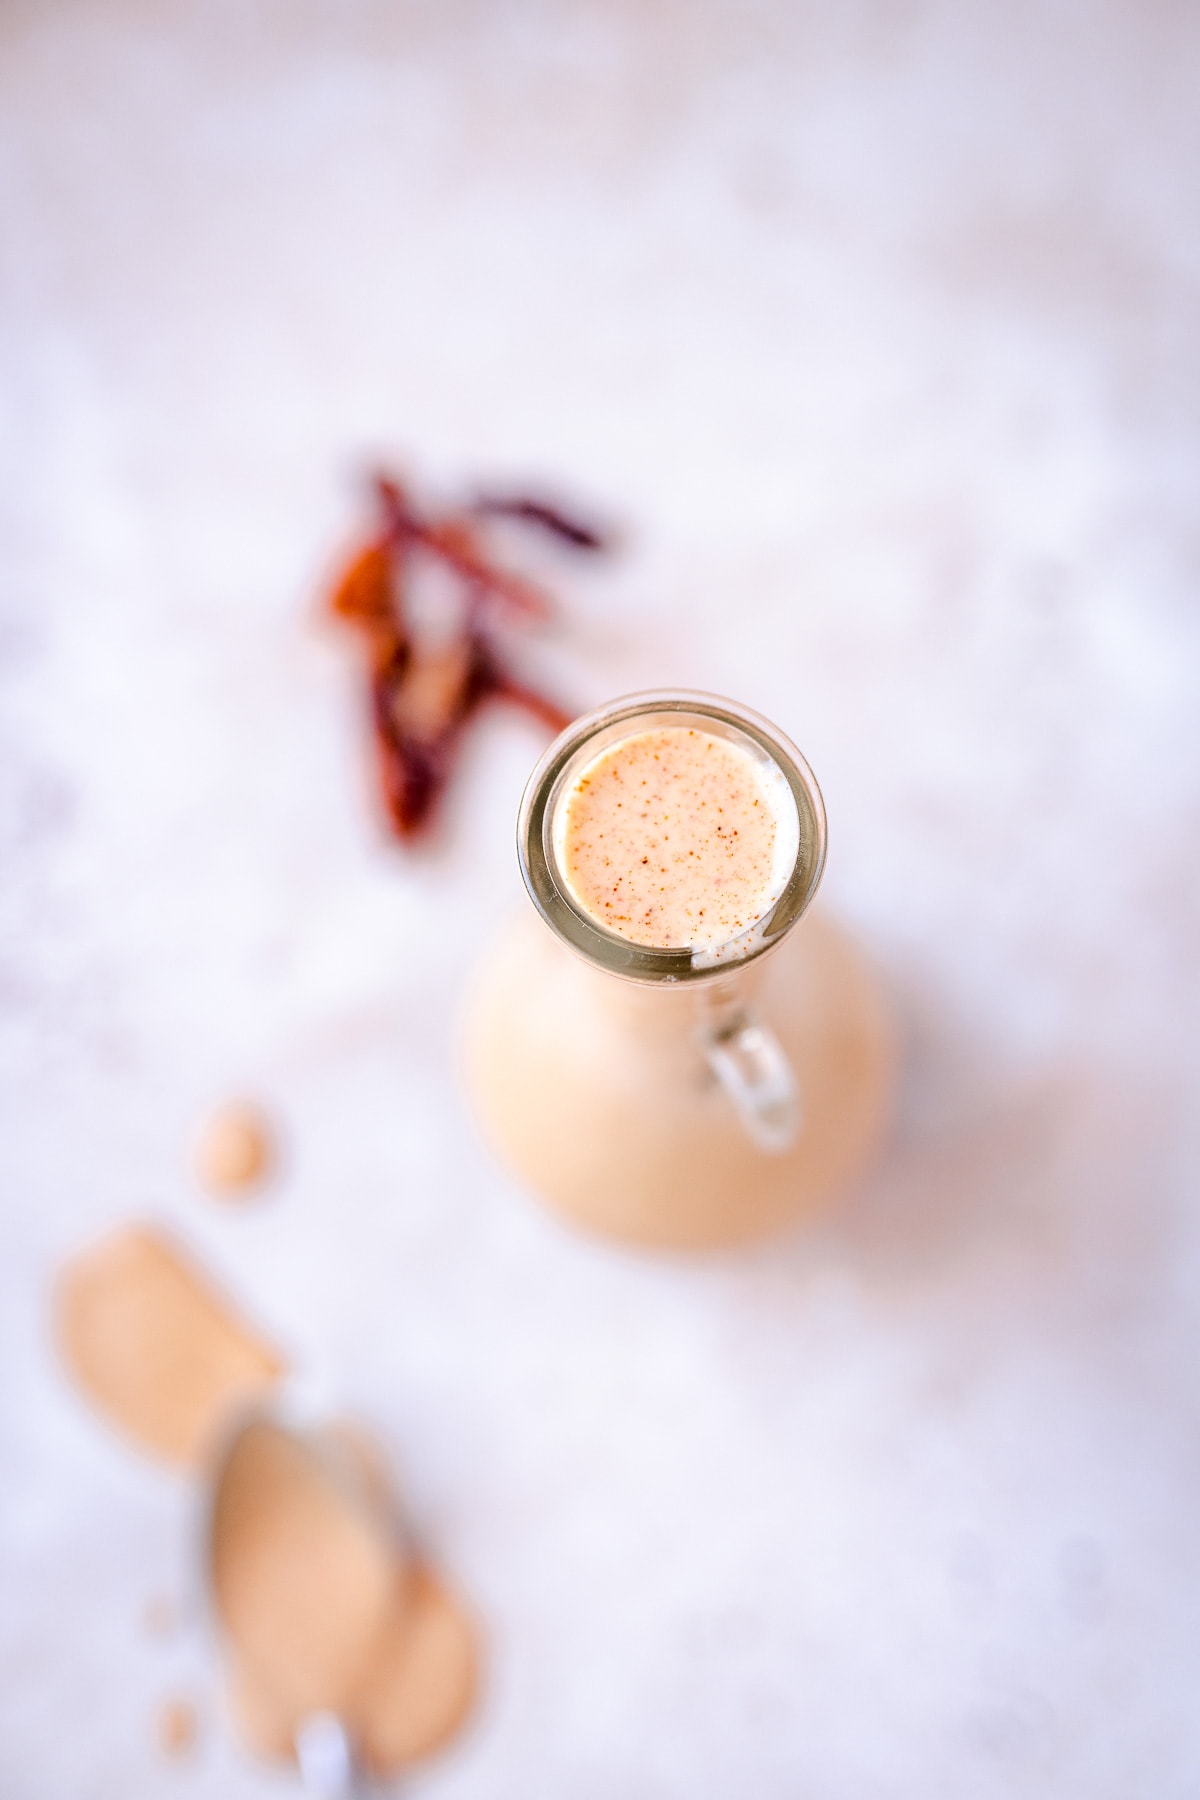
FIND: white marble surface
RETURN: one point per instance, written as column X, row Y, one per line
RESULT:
column 876, row 327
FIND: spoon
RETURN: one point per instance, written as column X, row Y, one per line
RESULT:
column 302, row 1569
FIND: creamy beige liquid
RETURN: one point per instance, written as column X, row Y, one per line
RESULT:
column 155, row 1347
column 677, row 838
column 320, row 1608
column 595, row 1091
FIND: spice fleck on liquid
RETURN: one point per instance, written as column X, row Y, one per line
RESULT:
column 707, row 878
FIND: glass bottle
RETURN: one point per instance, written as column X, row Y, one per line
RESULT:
column 672, row 1097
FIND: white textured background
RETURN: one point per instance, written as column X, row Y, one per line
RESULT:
column 876, row 327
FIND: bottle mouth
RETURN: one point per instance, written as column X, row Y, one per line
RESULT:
column 794, row 798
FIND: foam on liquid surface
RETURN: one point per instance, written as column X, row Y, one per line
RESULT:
column 676, row 838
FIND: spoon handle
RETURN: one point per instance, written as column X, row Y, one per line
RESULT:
column 325, row 1759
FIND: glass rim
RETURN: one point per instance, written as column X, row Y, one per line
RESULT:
column 548, row 888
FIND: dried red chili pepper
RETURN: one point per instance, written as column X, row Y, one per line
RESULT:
column 550, row 517
column 421, row 700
